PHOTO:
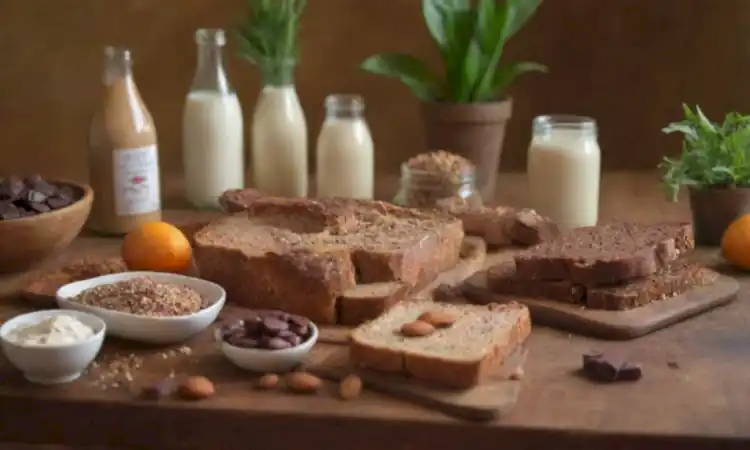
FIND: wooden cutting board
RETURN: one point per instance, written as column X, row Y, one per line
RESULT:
column 482, row 403
column 612, row 325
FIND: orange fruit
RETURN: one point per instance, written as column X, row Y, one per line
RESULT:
column 735, row 242
column 157, row 247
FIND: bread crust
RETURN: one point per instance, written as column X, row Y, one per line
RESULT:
column 676, row 278
column 444, row 371
column 301, row 255
column 606, row 254
column 366, row 302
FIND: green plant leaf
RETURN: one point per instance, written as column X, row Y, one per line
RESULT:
column 506, row 74
column 461, row 28
column 472, row 69
column 407, row 69
column 519, row 12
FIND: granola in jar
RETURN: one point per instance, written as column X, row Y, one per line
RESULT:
column 429, row 178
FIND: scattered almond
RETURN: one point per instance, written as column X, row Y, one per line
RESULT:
column 302, row 382
column 438, row 319
column 417, row 328
column 196, row 388
column 350, row 387
column 517, row 374
column 268, row 381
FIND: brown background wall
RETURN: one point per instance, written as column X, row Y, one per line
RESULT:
column 628, row 63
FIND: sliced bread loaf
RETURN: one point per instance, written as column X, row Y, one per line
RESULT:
column 606, row 254
column 460, row 356
column 301, row 255
column 368, row 301
column 676, row 278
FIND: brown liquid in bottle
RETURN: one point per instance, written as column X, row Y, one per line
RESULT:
column 123, row 155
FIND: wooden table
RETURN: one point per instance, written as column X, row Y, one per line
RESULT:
column 695, row 393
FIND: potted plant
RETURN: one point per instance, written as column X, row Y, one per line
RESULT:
column 715, row 167
column 465, row 109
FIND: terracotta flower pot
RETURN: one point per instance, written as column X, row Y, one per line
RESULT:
column 473, row 130
column 713, row 209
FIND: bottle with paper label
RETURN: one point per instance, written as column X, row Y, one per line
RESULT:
column 123, row 153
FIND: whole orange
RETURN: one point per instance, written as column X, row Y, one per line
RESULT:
column 158, row 247
column 735, row 242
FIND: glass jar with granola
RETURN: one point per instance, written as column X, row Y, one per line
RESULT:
column 429, row 179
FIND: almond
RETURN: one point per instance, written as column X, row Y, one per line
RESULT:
column 268, row 381
column 350, row 387
column 438, row 319
column 196, row 388
column 302, row 382
column 417, row 328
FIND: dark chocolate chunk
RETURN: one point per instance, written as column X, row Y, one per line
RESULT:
column 299, row 321
column 11, row 188
column 276, row 343
column 36, row 183
column 58, row 202
column 160, row 389
column 606, row 369
column 629, row 372
column 10, row 211
column 243, row 341
column 272, row 325
column 33, row 196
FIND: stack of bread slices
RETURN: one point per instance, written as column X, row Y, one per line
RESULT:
column 615, row 266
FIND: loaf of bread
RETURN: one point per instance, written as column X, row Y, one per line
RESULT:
column 302, row 255
column 606, row 254
column 500, row 225
column 674, row 279
column 460, row 356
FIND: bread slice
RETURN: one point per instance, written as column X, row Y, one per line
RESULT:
column 678, row 277
column 460, row 356
column 368, row 301
column 606, row 254
column 501, row 225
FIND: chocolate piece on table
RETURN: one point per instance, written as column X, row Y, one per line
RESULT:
column 603, row 368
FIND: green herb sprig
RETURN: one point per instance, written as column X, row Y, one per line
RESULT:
column 471, row 37
column 268, row 36
column 713, row 155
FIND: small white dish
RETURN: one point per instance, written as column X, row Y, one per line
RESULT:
column 150, row 330
column 52, row 364
column 264, row 360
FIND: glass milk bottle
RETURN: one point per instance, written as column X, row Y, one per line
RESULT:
column 123, row 153
column 564, row 169
column 345, row 159
column 212, row 136
column 279, row 134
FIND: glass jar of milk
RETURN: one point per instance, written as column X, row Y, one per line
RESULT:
column 345, row 159
column 564, row 168
column 212, row 136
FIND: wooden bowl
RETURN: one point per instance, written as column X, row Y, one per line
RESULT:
column 28, row 241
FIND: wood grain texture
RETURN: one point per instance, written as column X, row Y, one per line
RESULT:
column 693, row 394
column 627, row 63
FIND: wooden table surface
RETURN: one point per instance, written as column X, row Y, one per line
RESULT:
column 694, row 393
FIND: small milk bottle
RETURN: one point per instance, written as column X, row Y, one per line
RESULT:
column 564, row 169
column 212, row 136
column 345, row 159
column 279, row 134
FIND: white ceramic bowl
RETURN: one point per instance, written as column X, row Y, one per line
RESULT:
column 151, row 330
column 52, row 364
column 264, row 360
